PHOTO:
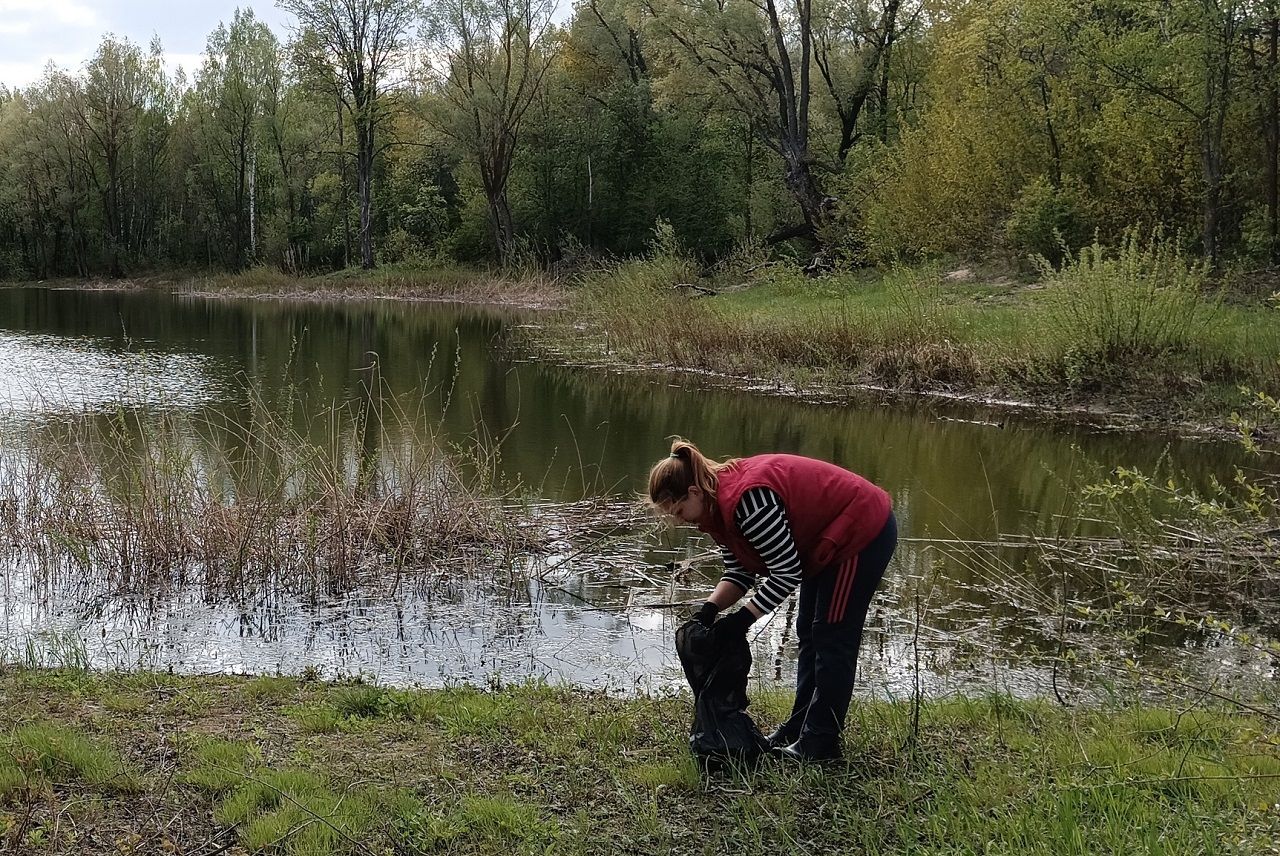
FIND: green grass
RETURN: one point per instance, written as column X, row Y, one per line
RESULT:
column 538, row 769
column 479, row 824
column 270, row 688
column 219, row 766
column 1137, row 328
column 54, row 752
column 296, row 811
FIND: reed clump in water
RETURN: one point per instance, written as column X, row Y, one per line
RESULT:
column 315, row 502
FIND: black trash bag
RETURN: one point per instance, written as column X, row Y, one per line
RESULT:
column 723, row 733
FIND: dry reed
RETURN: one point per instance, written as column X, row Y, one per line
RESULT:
column 313, row 502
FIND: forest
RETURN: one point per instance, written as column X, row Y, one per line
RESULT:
column 845, row 133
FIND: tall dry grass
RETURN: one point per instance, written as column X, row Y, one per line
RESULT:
column 909, row 342
column 311, row 499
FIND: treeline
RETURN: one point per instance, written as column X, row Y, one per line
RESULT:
column 853, row 131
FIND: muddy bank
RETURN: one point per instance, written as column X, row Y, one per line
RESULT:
column 535, row 292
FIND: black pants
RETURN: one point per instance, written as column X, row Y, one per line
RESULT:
column 833, row 609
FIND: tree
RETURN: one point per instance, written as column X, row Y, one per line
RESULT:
column 121, row 111
column 494, row 55
column 232, row 90
column 1181, row 59
column 851, row 43
column 359, row 45
column 762, row 56
column 1263, row 54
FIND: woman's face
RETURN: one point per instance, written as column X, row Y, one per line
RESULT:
column 692, row 508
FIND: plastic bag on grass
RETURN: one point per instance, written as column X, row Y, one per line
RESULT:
column 723, row 733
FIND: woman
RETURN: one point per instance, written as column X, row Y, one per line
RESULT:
column 786, row 522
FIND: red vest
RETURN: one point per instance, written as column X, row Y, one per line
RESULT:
column 833, row 513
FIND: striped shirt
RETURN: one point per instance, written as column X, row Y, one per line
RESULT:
column 762, row 519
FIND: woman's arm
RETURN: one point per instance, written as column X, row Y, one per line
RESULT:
column 762, row 519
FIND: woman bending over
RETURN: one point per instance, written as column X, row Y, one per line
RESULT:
column 785, row 522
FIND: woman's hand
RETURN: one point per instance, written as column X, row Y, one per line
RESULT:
column 706, row 614
column 734, row 625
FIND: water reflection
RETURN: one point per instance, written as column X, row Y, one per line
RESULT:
column 564, row 434
column 42, row 373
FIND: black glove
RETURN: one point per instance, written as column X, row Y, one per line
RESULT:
column 706, row 614
column 733, row 626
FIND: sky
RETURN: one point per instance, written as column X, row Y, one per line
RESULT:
column 33, row 32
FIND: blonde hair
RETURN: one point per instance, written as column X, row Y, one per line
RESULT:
column 671, row 478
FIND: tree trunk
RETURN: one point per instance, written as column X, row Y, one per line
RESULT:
column 1273, row 139
column 364, row 179
column 253, row 208
column 1212, row 201
column 1217, row 101
column 1211, row 166
column 293, row 255
column 503, row 225
column 237, row 218
column 749, row 180
column 886, row 57
column 798, row 176
column 346, row 199
column 112, row 204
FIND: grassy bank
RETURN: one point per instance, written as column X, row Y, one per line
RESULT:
column 402, row 282
column 150, row 763
column 1138, row 330
column 531, row 288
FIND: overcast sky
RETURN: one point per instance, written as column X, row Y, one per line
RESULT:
column 32, row 32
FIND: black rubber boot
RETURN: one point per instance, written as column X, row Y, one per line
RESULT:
column 784, row 735
column 814, row 749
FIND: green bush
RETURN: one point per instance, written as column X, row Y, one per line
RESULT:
column 12, row 266
column 1115, row 310
column 1048, row 221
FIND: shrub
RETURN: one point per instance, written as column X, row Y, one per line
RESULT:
column 1113, row 310
column 1047, row 221
column 12, row 267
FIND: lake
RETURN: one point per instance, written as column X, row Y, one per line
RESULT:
column 962, row 608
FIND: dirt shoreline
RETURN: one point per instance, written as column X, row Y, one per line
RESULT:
column 999, row 405
column 534, row 296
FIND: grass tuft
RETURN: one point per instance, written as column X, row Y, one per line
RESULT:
column 364, row 702
column 295, row 811
column 221, row 765
column 270, row 688
column 56, row 750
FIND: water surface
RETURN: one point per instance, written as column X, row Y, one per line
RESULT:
column 562, row 434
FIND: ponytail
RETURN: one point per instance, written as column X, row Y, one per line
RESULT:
column 671, row 478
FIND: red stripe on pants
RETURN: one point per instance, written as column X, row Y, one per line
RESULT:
column 840, row 593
